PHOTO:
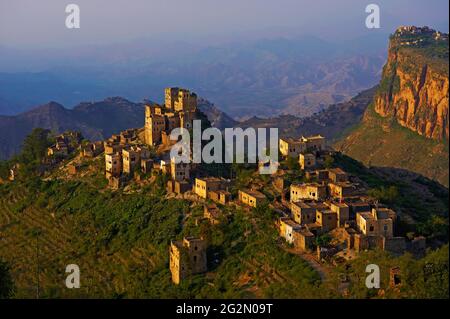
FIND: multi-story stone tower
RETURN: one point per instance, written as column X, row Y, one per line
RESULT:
column 187, row 257
column 178, row 111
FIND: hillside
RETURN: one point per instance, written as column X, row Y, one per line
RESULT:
column 406, row 125
column 379, row 141
column 120, row 239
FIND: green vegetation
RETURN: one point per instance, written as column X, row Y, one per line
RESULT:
column 6, row 283
column 379, row 141
column 120, row 241
column 419, row 278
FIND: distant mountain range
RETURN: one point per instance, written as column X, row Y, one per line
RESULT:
column 296, row 75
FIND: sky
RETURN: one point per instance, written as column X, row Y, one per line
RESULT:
column 41, row 24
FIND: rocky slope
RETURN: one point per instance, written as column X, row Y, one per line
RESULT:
column 414, row 86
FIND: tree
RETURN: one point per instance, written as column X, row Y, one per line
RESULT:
column 35, row 146
column 6, row 283
column 329, row 161
column 387, row 195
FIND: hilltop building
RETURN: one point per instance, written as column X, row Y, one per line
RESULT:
column 178, row 111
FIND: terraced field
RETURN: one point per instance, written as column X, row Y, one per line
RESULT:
column 40, row 244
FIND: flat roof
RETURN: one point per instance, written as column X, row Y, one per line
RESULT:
column 253, row 193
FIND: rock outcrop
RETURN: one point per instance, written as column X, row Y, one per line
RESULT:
column 415, row 82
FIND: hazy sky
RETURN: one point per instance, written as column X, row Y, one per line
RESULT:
column 41, row 23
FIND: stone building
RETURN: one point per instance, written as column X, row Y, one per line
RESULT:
column 131, row 158
column 307, row 161
column 251, row 198
column 314, row 143
column 92, row 149
column 187, row 257
column 307, row 191
column 342, row 210
column 113, row 163
column 295, row 234
column 178, row 111
column 204, row 185
column 212, row 213
column 341, row 190
column 221, row 196
column 304, row 212
column 179, row 171
column 377, row 222
column 326, row 219
column 337, row 175
column 290, row 147
column 178, row 187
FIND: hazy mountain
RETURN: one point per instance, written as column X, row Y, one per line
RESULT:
column 264, row 77
column 95, row 121
column 331, row 122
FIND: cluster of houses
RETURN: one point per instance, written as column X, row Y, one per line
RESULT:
column 331, row 203
column 65, row 143
column 426, row 32
column 126, row 153
column 125, row 156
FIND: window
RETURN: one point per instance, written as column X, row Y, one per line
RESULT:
column 371, row 228
column 385, row 227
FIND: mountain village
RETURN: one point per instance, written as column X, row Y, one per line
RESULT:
column 326, row 216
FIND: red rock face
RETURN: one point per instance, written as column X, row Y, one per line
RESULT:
column 415, row 92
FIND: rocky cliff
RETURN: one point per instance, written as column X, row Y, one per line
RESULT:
column 414, row 86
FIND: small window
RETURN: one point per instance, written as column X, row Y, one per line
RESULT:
column 371, row 228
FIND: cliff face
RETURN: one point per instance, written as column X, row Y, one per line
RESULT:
column 414, row 86
column 406, row 125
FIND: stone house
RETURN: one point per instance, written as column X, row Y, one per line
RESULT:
column 220, row 196
column 178, row 111
column 146, row 165
column 337, row 175
column 187, row 257
column 341, row 190
column 307, row 191
column 178, row 187
column 303, row 212
column 342, row 210
column 326, row 219
column 307, row 161
column 251, row 198
column 377, row 222
column 179, row 171
column 131, row 158
column 295, row 234
column 290, row 147
column 204, row 185
column 113, row 163
column 212, row 213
